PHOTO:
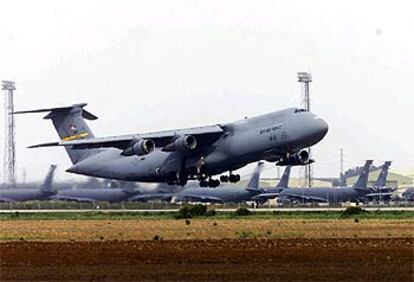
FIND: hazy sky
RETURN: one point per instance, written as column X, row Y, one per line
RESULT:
column 152, row 65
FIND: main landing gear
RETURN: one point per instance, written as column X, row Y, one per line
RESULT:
column 232, row 178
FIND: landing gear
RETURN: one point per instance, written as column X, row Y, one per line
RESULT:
column 232, row 178
column 210, row 183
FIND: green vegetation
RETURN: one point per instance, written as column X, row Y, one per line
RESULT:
column 351, row 211
column 242, row 211
column 200, row 212
column 194, row 211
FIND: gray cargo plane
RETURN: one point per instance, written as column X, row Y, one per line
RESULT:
column 227, row 193
column 330, row 195
column 176, row 156
column 20, row 195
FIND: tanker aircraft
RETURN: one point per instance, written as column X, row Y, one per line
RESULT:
column 330, row 195
column 176, row 156
column 30, row 194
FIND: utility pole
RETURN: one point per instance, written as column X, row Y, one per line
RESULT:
column 341, row 167
column 9, row 158
column 305, row 78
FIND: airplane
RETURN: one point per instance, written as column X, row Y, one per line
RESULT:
column 271, row 193
column 408, row 194
column 111, row 195
column 222, row 194
column 380, row 189
column 176, row 156
column 21, row 195
column 330, row 195
column 162, row 192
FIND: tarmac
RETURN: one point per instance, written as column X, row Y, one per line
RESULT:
column 290, row 209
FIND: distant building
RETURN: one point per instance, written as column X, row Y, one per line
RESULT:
column 394, row 179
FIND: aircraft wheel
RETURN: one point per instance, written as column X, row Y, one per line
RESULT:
column 224, row 178
column 203, row 183
column 234, row 178
column 213, row 183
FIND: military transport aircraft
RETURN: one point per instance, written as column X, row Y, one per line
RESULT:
column 20, row 195
column 330, row 195
column 176, row 156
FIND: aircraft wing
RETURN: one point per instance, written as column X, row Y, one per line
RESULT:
column 202, row 198
column 148, row 197
column 204, row 135
column 3, row 199
column 305, row 197
column 266, row 196
column 375, row 195
column 73, row 199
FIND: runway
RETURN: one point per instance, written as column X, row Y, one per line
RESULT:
column 290, row 209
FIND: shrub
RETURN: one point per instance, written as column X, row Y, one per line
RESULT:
column 242, row 211
column 350, row 211
column 157, row 238
column 192, row 211
column 210, row 212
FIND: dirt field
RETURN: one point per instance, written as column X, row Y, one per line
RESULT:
column 146, row 229
column 211, row 260
column 254, row 250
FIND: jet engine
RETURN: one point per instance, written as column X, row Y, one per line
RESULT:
column 140, row 147
column 300, row 158
column 183, row 143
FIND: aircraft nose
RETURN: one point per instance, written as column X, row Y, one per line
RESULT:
column 321, row 126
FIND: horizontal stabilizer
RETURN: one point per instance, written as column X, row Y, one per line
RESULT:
column 52, row 111
column 50, row 144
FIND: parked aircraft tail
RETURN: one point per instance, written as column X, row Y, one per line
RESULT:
column 363, row 177
column 284, row 181
column 254, row 180
column 70, row 124
column 382, row 177
column 47, row 184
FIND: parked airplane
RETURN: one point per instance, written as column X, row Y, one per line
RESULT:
column 408, row 194
column 111, row 195
column 162, row 192
column 380, row 190
column 272, row 193
column 222, row 194
column 330, row 195
column 20, row 195
column 176, row 156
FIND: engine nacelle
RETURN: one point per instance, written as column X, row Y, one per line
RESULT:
column 140, row 147
column 183, row 143
column 301, row 158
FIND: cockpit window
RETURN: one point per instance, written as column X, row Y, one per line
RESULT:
column 299, row 111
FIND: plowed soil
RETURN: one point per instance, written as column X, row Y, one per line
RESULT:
column 210, row 260
column 207, row 250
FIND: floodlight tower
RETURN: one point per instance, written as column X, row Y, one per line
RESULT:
column 9, row 158
column 305, row 78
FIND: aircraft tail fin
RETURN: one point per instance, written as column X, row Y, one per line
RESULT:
column 254, row 180
column 70, row 124
column 382, row 177
column 284, row 181
column 363, row 177
column 47, row 184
